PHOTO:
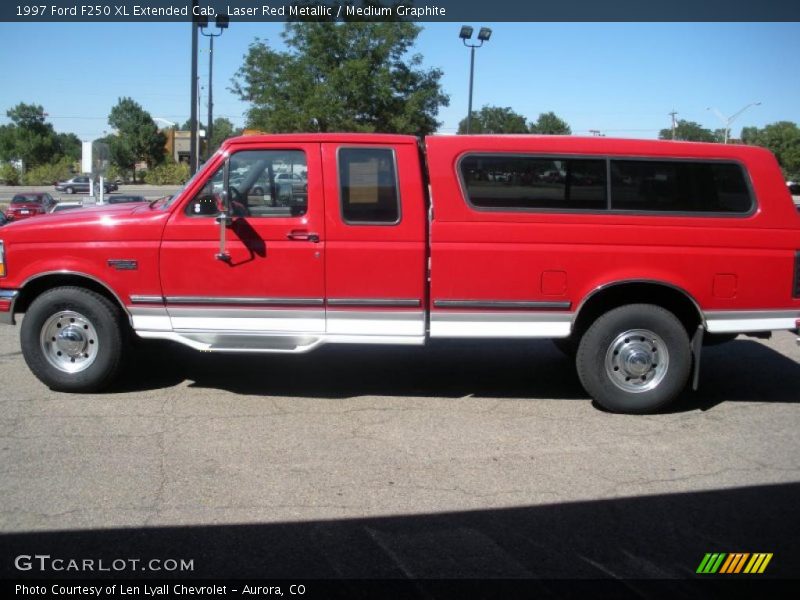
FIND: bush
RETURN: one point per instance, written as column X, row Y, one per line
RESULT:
column 167, row 174
column 9, row 174
column 113, row 173
column 49, row 173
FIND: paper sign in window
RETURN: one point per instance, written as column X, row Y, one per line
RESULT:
column 363, row 182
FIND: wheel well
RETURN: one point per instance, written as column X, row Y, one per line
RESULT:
column 35, row 288
column 666, row 296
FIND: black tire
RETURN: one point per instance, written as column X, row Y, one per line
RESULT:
column 103, row 321
column 70, row 190
column 629, row 341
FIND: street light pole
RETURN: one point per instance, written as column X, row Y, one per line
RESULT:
column 193, row 117
column 728, row 120
column 221, row 22
column 471, row 73
column 209, row 123
column 483, row 36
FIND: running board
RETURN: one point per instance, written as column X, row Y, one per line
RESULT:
column 212, row 341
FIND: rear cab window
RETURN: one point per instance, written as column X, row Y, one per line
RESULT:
column 368, row 187
column 510, row 183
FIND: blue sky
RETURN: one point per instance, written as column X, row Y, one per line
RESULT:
column 621, row 79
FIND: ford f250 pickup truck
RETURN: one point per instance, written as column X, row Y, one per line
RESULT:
column 630, row 254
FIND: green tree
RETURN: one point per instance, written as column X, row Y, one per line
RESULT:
column 138, row 138
column 494, row 119
column 9, row 174
column 69, row 146
column 549, row 123
column 783, row 140
column 354, row 76
column 689, row 131
column 29, row 137
column 223, row 129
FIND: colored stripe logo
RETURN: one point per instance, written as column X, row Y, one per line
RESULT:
column 734, row 563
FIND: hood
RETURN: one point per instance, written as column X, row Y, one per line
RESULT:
column 116, row 222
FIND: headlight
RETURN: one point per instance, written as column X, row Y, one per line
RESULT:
column 2, row 259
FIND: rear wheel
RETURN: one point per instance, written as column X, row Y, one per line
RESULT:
column 72, row 339
column 635, row 359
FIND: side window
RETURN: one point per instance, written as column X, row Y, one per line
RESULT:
column 269, row 183
column 368, row 190
column 261, row 183
column 679, row 186
column 207, row 201
column 532, row 183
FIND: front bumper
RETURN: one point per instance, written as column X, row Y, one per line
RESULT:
column 7, row 300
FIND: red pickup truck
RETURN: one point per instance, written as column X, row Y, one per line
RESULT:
column 628, row 253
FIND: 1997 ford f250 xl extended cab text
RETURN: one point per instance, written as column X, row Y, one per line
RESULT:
column 628, row 253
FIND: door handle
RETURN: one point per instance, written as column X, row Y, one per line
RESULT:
column 301, row 235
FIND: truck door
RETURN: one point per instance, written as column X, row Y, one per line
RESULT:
column 273, row 280
column 375, row 246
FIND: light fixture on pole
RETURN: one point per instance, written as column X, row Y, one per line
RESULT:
column 483, row 36
column 728, row 120
column 221, row 22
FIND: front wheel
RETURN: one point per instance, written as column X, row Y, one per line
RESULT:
column 635, row 359
column 70, row 190
column 72, row 339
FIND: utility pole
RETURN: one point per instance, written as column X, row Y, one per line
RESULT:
column 673, row 114
column 193, row 117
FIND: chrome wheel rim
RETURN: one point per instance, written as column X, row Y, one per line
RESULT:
column 69, row 341
column 637, row 360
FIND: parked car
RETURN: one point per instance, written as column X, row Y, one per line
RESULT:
column 29, row 205
column 126, row 198
column 80, row 184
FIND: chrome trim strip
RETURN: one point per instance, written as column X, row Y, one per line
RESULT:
column 390, row 302
column 500, row 324
column 503, row 317
column 180, row 312
column 495, row 304
column 245, row 301
column 8, row 294
column 147, row 299
column 732, row 321
column 376, row 315
column 752, row 314
column 375, row 322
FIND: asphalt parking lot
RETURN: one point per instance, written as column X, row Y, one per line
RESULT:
column 458, row 460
